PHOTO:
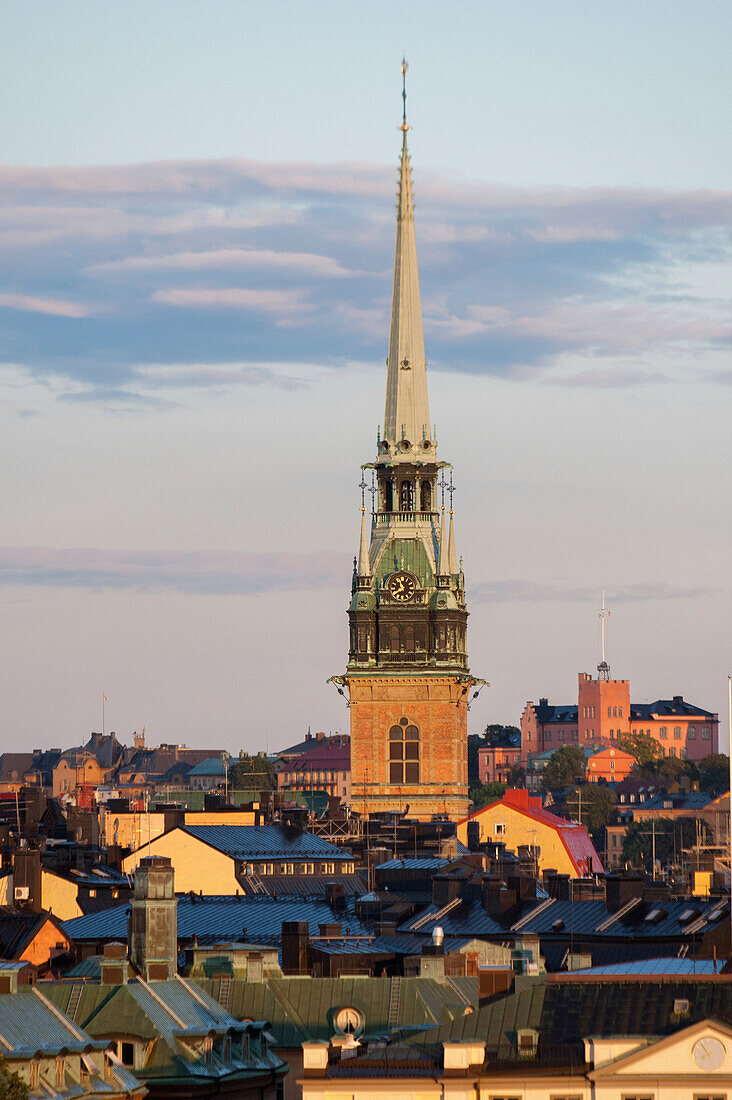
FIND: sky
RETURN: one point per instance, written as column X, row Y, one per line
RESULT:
column 196, row 243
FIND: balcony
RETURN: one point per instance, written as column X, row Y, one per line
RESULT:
column 407, row 517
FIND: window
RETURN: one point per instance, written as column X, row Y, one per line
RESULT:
column 60, row 1072
column 620, row 712
column 691, row 733
column 672, row 751
column 388, row 496
column 677, row 733
column 705, row 733
column 662, row 733
column 548, row 735
column 609, row 712
column 407, row 497
column 426, row 497
column 615, row 712
column 404, row 752
column 394, row 639
column 499, row 828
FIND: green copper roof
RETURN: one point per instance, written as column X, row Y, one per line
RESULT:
column 408, row 554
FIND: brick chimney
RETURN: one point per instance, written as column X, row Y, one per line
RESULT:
column 153, row 928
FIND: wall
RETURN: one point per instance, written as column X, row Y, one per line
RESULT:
column 520, row 829
column 438, row 707
column 197, row 866
column 44, row 946
column 59, row 896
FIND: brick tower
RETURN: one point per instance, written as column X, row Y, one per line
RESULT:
column 407, row 678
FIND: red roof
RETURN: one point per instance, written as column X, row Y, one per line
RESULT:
column 328, row 756
column 574, row 837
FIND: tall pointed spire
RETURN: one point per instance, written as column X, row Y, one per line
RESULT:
column 451, row 555
column 407, row 410
column 364, row 566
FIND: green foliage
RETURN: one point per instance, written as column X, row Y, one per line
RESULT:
column 489, row 792
column 566, row 767
column 496, row 734
column 640, row 745
column 12, row 1085
column 593, row 805
column 252, row 773
column 671, row 836
column 517, row 776
column 714, row 773
column 673, row 769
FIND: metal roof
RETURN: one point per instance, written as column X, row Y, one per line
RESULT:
column 265, row 841
column 219, row 919
column 655, row 967
column 28, row 1023
column 427, row 863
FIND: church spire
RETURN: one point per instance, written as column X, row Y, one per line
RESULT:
column 363, row 568
column 407, row 411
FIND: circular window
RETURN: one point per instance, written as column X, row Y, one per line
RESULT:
column 349, row 1021
column 403, row 722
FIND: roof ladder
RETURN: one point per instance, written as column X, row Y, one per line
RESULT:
column 224, row 993
column 394, row 998
column 74, row 1000
column 427, row 917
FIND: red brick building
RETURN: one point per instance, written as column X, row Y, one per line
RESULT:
column 327, row 767
column 604, row 712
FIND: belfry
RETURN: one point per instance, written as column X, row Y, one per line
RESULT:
column 407, row 678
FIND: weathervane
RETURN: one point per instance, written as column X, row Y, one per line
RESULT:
column 443, row 485
column 404, row 126
column 363, row 487
column 451, row 490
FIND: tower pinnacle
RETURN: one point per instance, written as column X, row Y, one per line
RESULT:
column 406, row 415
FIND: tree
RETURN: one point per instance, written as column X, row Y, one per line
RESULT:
column 641, row 746
column 12, row 1085
column 252, row 773
column 714, row 773
column 496, row 734
column 670, row 767
column 489, row 792
column 565, row 767
column 593, row 805
column 671, row 836
column 517, row 776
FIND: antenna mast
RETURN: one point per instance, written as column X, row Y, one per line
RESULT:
column 603, row 668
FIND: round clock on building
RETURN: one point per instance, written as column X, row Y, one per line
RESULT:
column 401, row 586
column 709, row 1053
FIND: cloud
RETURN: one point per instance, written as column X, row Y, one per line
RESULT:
column 55, row 307
column 282, row 302
column 206, row 572
column 226, row 259
column 522, row 591
column 295, row 261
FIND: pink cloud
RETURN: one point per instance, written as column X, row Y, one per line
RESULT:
column 260, row 301
column 56, row 307
column 198, row 571
column 226, row 259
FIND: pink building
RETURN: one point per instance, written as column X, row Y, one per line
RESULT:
column 604, row 713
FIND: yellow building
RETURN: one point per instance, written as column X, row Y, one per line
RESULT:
column 133, row 828
column 518, row 819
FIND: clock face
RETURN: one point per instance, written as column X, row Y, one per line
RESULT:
column 709, row 1053
column 402, row 586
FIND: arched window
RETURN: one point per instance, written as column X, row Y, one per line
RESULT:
column 407, row 497
column 388, row 496
column 394, row 639
column 426, row 503
column 409, row 639
column 404, row 752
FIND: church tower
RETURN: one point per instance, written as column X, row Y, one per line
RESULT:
column 407, row 678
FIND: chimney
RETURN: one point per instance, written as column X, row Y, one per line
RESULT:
column 335, row 895
column 295, row 938
column 620, row 889
column 496, row 899
column 473, row 836
column 153, row 935
column 445, row 888
column 27, row 879
column 114, row 964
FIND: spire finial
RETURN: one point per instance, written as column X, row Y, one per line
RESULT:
column 405, row 66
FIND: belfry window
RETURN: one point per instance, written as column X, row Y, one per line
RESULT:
column 407, row 497
column 394, row 639
column 404, row 752
column 426, row 493
column 388, row 496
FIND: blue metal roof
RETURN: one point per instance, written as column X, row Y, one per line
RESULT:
column 651, row 967
column 386, row 945
column 265, row 841
column 220, row 919
column 427, row 863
